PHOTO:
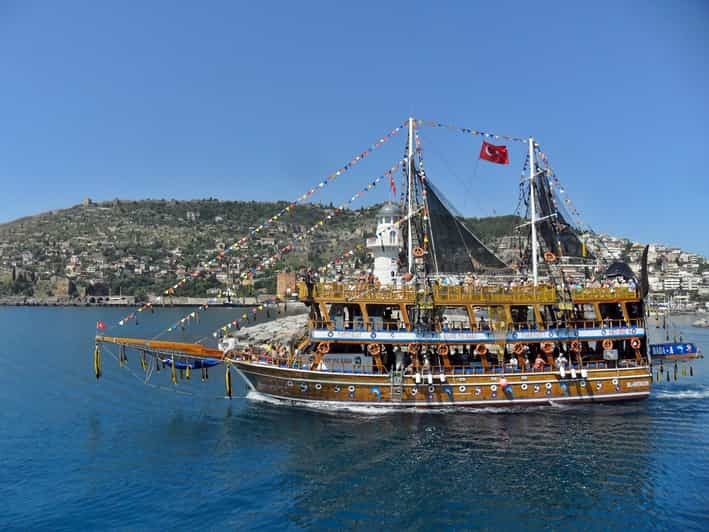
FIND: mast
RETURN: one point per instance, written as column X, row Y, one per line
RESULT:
column 410, row 208
column 533, row 211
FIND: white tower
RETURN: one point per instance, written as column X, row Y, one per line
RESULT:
column 386, row 243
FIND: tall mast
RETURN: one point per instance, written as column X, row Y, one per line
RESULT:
column 533, row 210
column 410, row 209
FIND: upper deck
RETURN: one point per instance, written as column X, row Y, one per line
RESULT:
column 333, row 292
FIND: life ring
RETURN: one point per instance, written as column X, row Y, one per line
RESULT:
column 524, row 387
column 351, row 388
column 548, row 385
column 462, row 389
column 481, row 349
column 493, row 387
column 318, row 386
column 615, row 382
column 635, row 343
column 414, row 391
column 599, row 385
column 323, row 347
column 418, row 251
column 575, row 346
column 547, row 347
column 412, row 348
column 549, row 257
column 431, row 389
column 442, row 350
column 518, row 348
column 607, row 343
column 373, row 349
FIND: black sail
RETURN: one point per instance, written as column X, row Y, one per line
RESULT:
column 454, row 249
column 555, row 230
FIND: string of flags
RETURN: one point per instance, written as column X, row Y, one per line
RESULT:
column 134, row 315
column 288, row 247
column 291, row 245
column 236, row 323
column 468, row 131
column 303, row 197
column 555, row 184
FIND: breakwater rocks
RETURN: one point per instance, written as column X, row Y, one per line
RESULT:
column 282, row 330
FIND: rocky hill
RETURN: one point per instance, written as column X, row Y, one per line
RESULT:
column 141, row 247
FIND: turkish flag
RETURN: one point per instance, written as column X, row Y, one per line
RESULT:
column 494, row 154
column 392, row 184
column 100, row 325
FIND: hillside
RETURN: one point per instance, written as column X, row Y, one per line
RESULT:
column 142, row 247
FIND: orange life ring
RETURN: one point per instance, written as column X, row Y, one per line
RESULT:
column 576, row 346
column 418, row 251
column 607, row 343
column 549, row 257
column 635, row 343
column 518, row 348
column 412, row 348
column 442, row 349
column 373, row 349
column 481, row 349
column 547, row 347
column 323, row 347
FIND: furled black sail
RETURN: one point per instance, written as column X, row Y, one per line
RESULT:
column 555, row 230
column 455, row 248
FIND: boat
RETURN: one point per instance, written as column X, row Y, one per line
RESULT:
column 441, row 321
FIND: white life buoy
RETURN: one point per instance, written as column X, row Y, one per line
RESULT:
column 350, row 388
column 548, row 385
column 318, row 386
column 431, row 389
column 414, row 391
column 493, row 387
column 615, row 382
column 462, row 389
column 524, row 387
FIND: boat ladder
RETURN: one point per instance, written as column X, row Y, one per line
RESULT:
column 396, row 386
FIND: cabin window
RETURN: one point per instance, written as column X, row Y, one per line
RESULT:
column 585, row 312
column 384, row 317
column 523, row 316
column 392, row 237
column 611, row 311
column 346, row 317
column 635, row 310
column 454, row 318
column 487, row 317
column 550, row 315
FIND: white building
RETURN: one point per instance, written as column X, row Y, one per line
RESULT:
column 386, row 243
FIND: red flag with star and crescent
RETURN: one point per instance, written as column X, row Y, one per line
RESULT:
column 494, row 154
column 392, row 185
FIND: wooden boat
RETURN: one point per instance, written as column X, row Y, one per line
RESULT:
column 441, row 321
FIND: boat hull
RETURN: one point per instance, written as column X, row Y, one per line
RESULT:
column 486, row 390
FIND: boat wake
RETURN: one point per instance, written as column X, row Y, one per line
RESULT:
column 682, row 394
column 333, row 407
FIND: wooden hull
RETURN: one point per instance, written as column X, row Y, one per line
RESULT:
column 522, row 389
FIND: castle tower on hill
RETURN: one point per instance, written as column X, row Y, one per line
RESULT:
column 386, row 243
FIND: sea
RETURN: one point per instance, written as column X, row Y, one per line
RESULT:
column 122, row 453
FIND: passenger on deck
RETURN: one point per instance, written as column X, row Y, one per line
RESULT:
column 539, row 362
column 561, row 360
column 513, row 363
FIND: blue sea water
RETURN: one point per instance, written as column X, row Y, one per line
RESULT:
column 119, row 454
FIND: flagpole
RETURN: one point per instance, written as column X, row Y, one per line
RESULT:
column 410, row 194
column 533, row 211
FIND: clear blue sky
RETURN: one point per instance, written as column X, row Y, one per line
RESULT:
column 259, row 100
